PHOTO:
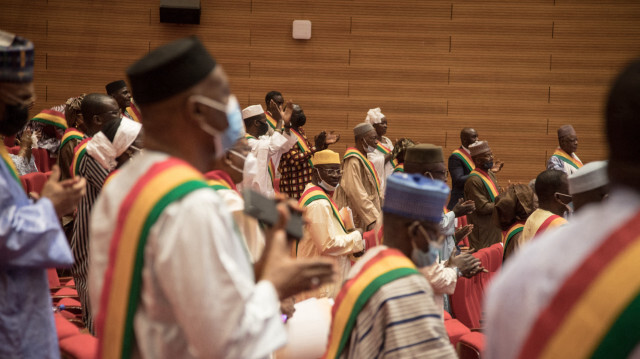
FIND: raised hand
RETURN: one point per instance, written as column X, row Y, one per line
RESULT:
column 64, row 195
column 463, row 208
column 497, row 166
column 332, row 138
column 276, row 111
column 288, row 111
column 466, row 263
column 463, row 232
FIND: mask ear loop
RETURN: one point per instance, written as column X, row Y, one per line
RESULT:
column 231, row 163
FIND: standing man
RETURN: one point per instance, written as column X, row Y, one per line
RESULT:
column 572, row 293
column 460, row 165
column 295, row 165
column 553, row 197
column 167, row 266
column 273, row 98
column 482, row 188
column 72, row 135
column 267, row 149
column 360, row 185
column 327, row 234
column 564, row 158
column 31, row 239
column 386, row 306
column 119, row 91
column 382, row 157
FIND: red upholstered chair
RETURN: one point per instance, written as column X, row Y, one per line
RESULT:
column 455, row 330
column 471, row 346
column 83, row 346
column 466, row 302
column 14, row 150
column 10, row 141
column 64, row 328
column 42, row 159
column 35, row 181
column 447, row 316
column 24, row 184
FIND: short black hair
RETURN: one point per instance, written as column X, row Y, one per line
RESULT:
column 270, row 96
column 93, row 104
column 549, row 182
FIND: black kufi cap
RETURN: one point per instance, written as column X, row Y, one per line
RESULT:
column 115, row 86
column 169, row 70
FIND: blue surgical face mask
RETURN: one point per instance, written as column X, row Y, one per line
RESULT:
column 421, row 258
column 327, row 187
column 225, row 140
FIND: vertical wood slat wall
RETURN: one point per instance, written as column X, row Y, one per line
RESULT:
column 514, row 70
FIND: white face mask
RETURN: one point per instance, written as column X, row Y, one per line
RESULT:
column 368, row 148
column 419, row 257
column 327, row 187
column 250, row 168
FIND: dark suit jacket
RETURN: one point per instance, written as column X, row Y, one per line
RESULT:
column 459, row 174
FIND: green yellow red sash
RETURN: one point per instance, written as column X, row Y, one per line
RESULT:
column 71, row 134
column 110, row 176
column 315, row 193
column 594, row 313
column 552, row 221
column 508, row 235
column 9, row 163
column 399, row 168
column 466, row 158
column 78, row 152
column 164, row 183
column 567, row 158
column 488, row 183
column 386, row 151
column 133, row 113
column 51, row 117
column 353, row 152
column 271, row 121
column 302, row 142
column 387, row 266
column 218, row 184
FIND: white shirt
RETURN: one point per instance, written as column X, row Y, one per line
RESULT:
column 384, row 169
column 529, row 280
column 267, row 148
column 199, row 298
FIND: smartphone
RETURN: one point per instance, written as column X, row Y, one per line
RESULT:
column 264, row 210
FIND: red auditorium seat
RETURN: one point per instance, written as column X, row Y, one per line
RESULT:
column 455, row 330
column 64, row 328
column 35, row 181
column 83, row 346
column 471, row 346
column 24, row 183
column 14, row 150
column 447, row 316
column 10, row 141
column 42, row 159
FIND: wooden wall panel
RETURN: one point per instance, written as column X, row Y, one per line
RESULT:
column 514, row 70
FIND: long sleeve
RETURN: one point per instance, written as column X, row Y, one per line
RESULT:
column 93, row 172
column 475, row 190
column 360, row 200
column 554, row 163
column 448, row 223
column 65, row 157
column 30, row 233
column 456, row 169
column 326, row 234
column 222, row 312
column 442, row 279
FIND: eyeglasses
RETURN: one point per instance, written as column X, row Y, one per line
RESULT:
column 429, row 174
column 565, row 198
column 333, row 172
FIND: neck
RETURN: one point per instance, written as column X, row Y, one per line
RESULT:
column 395, row 236
column 567, row 152
column 253, row 132
column 360, row 147
column 379, row 138
column 551, row 206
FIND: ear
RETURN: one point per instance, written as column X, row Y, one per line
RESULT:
column 97, row 120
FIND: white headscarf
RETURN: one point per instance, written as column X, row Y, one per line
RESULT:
column 374, row 116
column 106, row 152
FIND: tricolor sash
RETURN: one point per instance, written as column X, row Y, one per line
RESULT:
column 271, row 121
column 508, row 235
column 133, row 113
column 398, row 168
column 353, row 152
column 110, row 176
column 594, row 313
column 386, row 151
column 71, row 134
column 387, row 266
column 552, row 221
column 164, row 183
column 219, row 180
column 315, row 193
column 302, row 145
column 488, row 183
column 466, row 158
column 9, row 163
column 78, row 152
column 51, row 117
column 567, row 158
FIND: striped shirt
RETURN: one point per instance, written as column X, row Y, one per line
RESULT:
column 401, row 320
column 95, row 175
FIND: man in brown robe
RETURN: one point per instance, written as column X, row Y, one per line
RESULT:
column 485, row 232
column 358, row 187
